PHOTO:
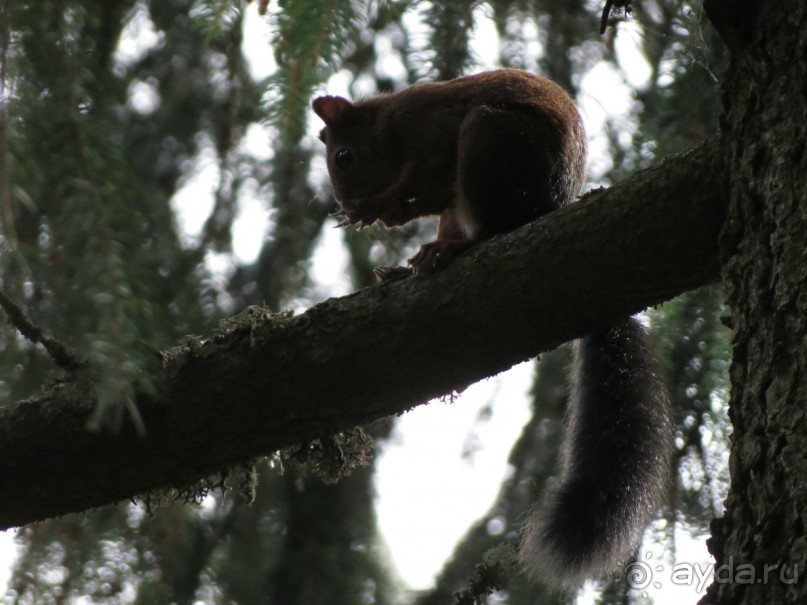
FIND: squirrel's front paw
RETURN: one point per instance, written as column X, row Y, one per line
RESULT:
column 398, row 213
column 353, row 212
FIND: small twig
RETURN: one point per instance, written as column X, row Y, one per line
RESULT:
column 60, row 353
column 624, row 5
column 606, row 12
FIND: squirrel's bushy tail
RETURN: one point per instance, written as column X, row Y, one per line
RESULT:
column 614, row 466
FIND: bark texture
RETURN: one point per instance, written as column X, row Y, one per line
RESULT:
column 268, row 382
column 760, row 544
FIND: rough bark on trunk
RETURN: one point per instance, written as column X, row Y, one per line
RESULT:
column 760, row 545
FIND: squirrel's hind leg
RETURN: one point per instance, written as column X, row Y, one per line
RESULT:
column 507, row 165
column 451, row 241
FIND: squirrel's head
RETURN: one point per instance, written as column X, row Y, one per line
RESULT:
column 362, row 161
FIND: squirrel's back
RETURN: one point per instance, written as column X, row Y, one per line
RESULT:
column 428, row 119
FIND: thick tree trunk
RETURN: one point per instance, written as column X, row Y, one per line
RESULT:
column 760, row 544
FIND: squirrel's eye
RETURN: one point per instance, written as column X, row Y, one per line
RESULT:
column 344, row 158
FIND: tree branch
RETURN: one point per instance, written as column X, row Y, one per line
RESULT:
column 60, row 353
column 266, row 382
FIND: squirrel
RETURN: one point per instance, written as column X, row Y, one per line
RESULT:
column 489, row 153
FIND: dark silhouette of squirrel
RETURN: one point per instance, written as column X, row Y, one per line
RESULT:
column 489, row 153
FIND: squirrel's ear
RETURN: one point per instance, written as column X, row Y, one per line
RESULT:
column 330, row 108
